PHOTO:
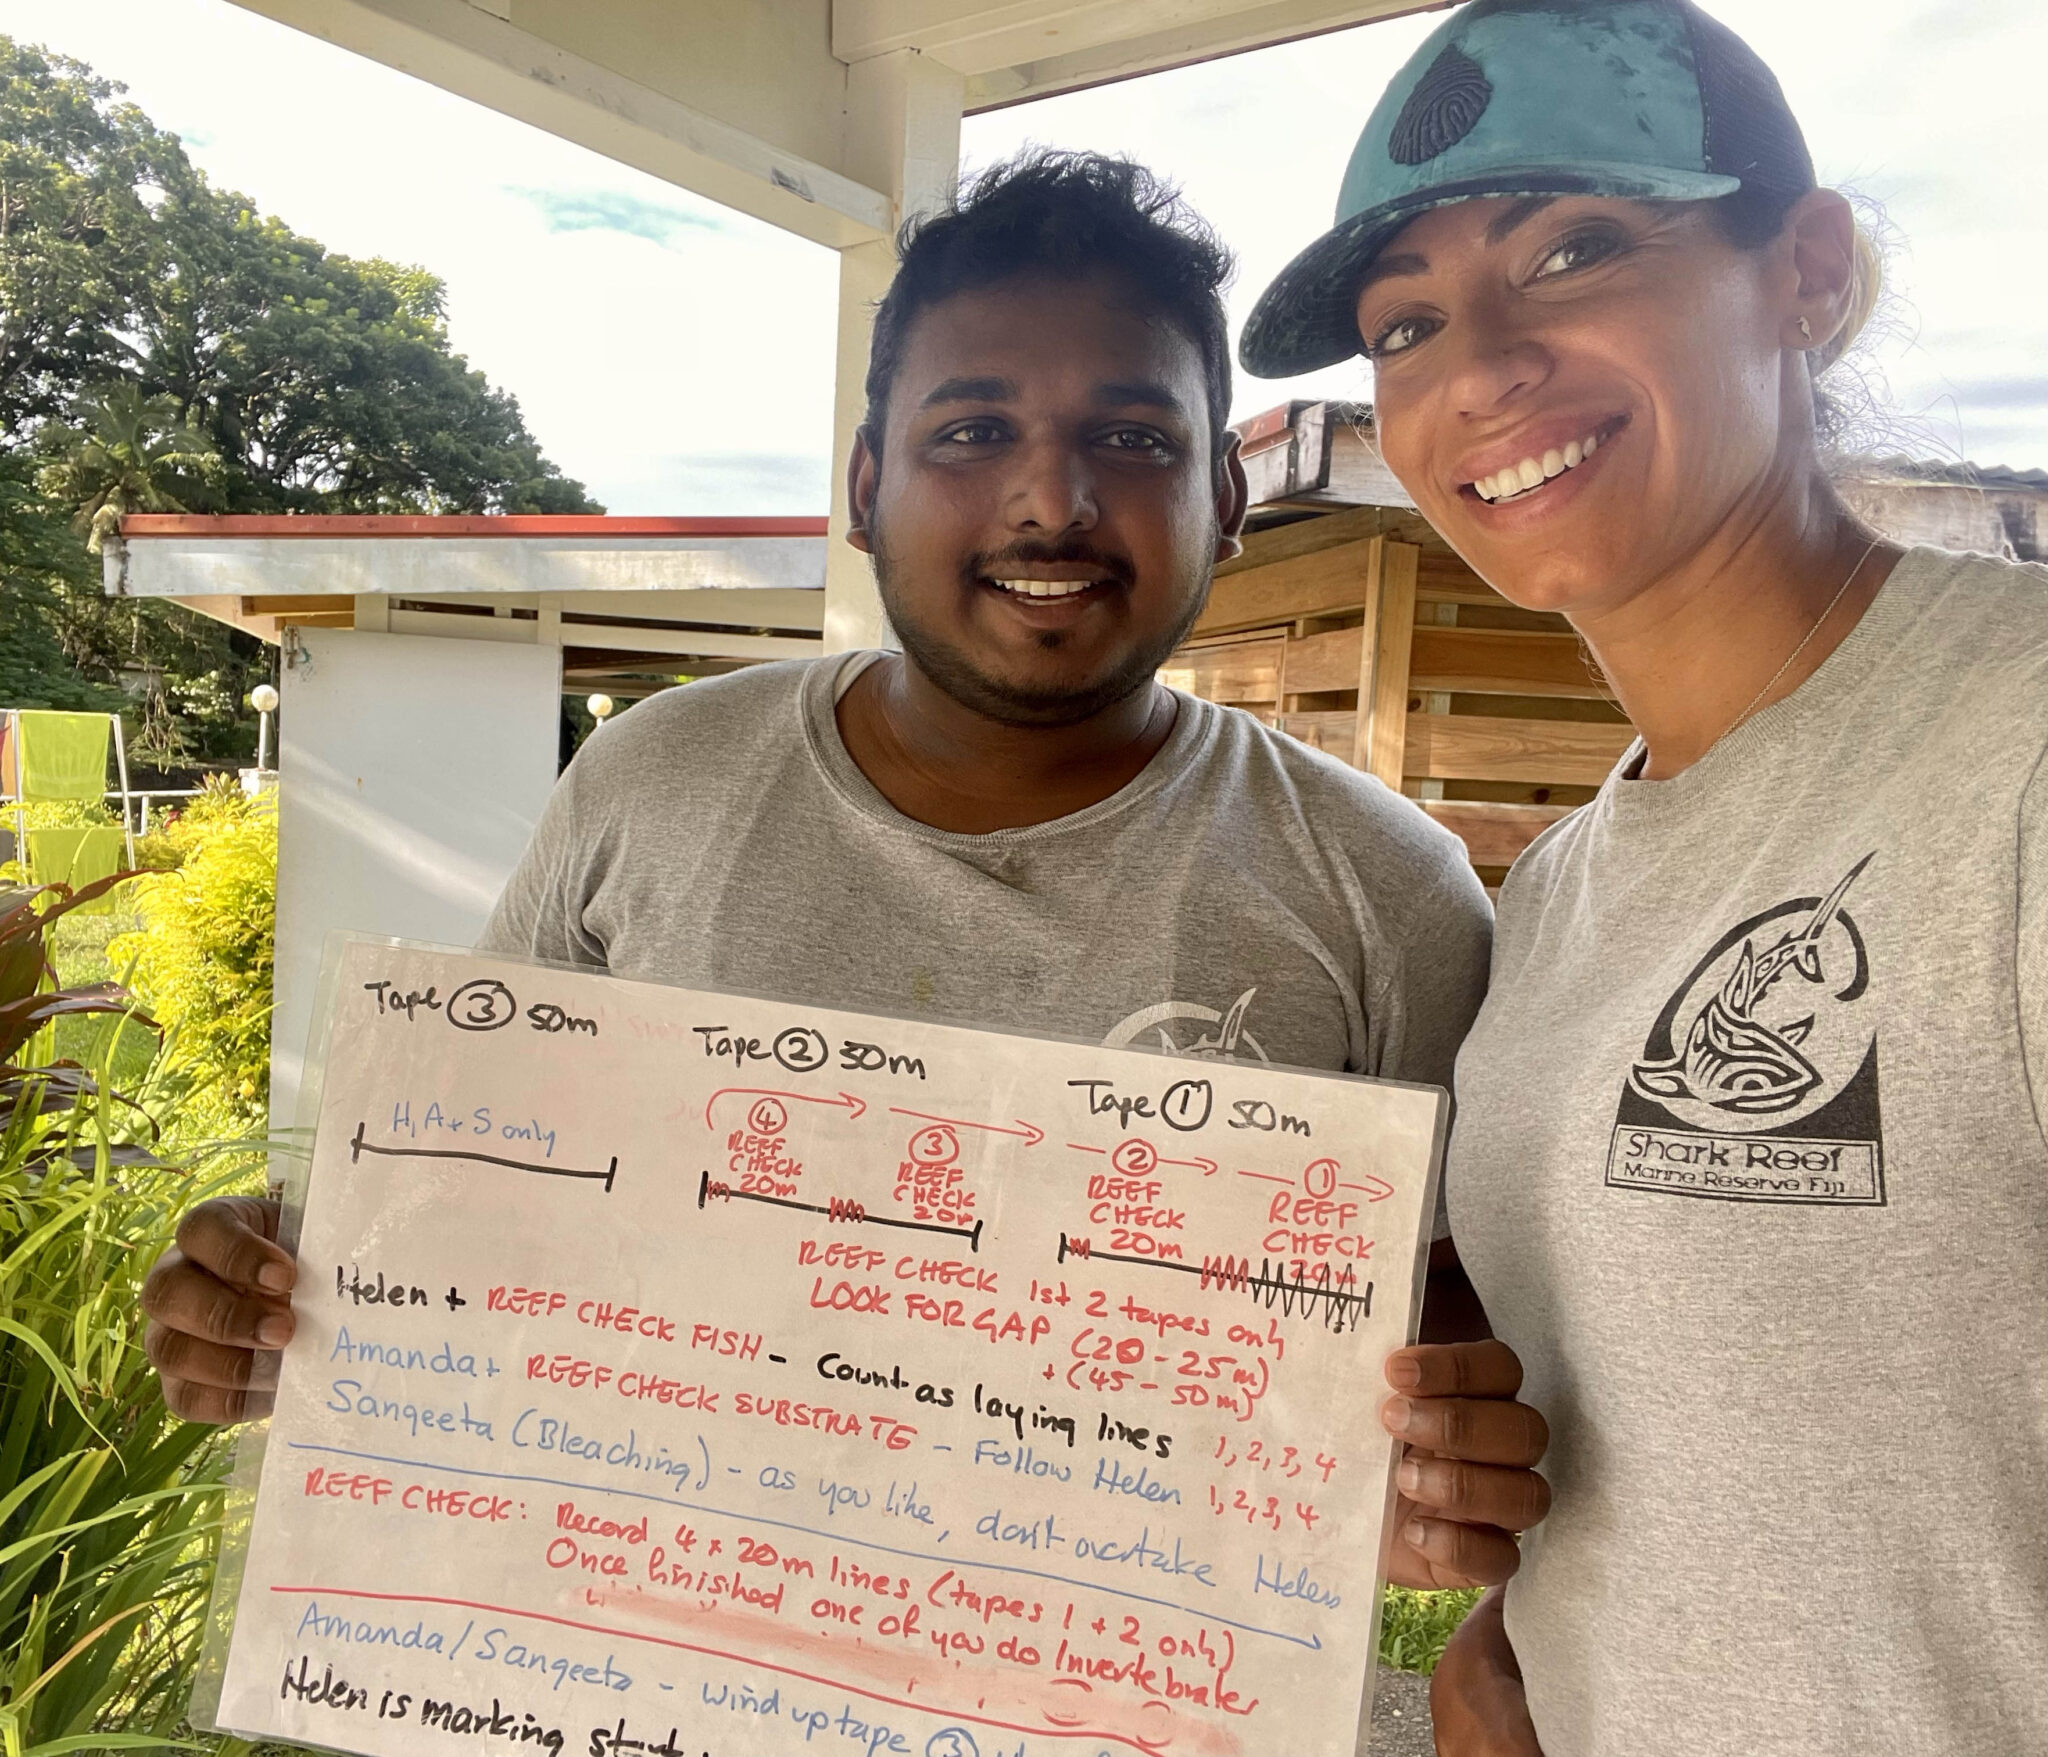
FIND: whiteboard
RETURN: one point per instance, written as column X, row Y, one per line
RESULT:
column 688, row 1372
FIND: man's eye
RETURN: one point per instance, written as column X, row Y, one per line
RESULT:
column 1400, row 336
column 1136, row 439
column 973, row 433
column 1581, row 250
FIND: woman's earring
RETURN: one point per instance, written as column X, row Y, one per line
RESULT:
column 1805, row 329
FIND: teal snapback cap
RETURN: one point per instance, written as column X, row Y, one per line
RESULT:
column 1651, row 100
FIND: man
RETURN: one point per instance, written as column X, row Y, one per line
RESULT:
column 1011, row 822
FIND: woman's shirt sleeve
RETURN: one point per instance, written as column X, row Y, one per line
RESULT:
column 2031, row 938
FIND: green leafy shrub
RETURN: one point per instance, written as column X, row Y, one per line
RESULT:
column 1415, row 1625
column 61, row 814
column 202, row 960
column 160, row 850
column 109, row 1506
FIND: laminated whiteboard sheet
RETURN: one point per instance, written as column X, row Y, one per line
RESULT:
column 680, row 1372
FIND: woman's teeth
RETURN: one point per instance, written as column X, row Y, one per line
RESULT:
column 1531, row 473
column 1044, row 588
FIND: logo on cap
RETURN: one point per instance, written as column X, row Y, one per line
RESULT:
column 1447, row 102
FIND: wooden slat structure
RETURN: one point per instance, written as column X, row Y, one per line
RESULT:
column 1361, row 632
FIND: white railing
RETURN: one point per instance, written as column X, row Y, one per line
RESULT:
column 137, row 821
column 141, row 802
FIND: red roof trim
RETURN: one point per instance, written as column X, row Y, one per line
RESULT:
column 178, row 524
column 1266, row 424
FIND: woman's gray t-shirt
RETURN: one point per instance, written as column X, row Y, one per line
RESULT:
column 1750, row 1169
column 1242, row 896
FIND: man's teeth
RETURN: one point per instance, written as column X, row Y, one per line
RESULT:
column 1045, row 588
column 1534, row 472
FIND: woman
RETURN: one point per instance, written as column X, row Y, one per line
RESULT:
column 1749, row 1165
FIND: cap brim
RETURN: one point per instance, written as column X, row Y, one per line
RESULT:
column 1307, row 318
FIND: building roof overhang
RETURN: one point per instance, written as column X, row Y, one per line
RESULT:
column 621, row 596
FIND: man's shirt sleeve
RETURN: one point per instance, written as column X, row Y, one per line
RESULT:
column 1443, row 979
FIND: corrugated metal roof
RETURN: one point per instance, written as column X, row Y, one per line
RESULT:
column 1959, row 474
column 1267, row 428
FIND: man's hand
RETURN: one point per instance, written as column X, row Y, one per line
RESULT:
column 1476, row 1699
column 219, row 1306
column 1466, row 1479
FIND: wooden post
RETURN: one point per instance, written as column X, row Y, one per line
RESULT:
column 1383, row 662
column 1368, row 645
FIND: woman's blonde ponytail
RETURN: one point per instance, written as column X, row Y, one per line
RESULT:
column 1866, row 286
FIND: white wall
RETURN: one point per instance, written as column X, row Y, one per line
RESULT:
column 411, row 774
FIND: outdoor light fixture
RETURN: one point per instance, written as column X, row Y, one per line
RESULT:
column 263, row 698
column 600, row 707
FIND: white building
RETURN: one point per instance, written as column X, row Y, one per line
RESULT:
column 425, row 662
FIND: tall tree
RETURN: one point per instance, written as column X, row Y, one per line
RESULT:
column 78, row 238
column 123, row 452
column 163, row 344
column 324, row 383
column 327, row 384
column 40, row 558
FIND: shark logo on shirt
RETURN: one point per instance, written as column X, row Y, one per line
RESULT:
column 1167, row 1025
column 1733, row 1058
column 1759, row 1080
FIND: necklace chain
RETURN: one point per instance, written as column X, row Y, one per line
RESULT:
column 1792, row 657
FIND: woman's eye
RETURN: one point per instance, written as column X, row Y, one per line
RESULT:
column 1400, row 336
column 1582, row 250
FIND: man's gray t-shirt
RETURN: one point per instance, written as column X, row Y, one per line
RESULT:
column 1750, row 1170
column 1243, row 896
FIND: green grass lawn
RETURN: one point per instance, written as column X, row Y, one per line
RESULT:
column 79, row 948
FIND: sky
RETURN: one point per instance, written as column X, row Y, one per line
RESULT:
column 677, row 357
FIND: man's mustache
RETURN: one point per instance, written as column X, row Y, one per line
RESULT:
column 991, row 565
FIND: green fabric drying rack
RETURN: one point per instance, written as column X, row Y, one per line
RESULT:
column 62, row 756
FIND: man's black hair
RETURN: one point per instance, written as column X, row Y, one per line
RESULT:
column 1067, row 214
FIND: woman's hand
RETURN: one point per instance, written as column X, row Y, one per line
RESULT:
column 1466, row 1480
column 219, row 1307
column 1476, row 1701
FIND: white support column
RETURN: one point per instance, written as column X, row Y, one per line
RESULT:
column 903, row 136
